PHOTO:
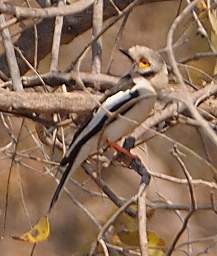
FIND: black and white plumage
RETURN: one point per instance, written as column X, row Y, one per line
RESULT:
column 133, row 104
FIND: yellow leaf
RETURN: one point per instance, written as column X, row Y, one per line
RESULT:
column 38, row 233
column 156, row 245
column 201, row 6
column 116, row 240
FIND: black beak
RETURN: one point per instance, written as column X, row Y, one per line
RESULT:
column 126, row 53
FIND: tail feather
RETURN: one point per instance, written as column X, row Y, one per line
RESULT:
column 60, row 187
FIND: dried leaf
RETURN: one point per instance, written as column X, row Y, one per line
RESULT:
column 156, row 245
column 38, row 233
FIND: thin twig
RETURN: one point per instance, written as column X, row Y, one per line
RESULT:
column 115, row 6
column 142, row 219
column 197, row 56
column 193, row 203
column 77, row 203
column 33, row 249
column 103, row 244
column 176, row 153
column 10, row 175
column 56, row 41
column 35, row 41
column 107, row 190
column 117, row 40
column 97, row 45
column 30, row 66
column 195, row 182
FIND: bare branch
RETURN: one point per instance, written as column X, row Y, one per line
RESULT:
column 11, row 58
column 107, row 190
column 97, row 45
column 176, row 153
column 56, row 41
column 186, row 96
column 50, row 12
column 142, row 219
column 117, row 40
column 193, row 202
column 57, row 78
column 77, row 203
column 45, row 102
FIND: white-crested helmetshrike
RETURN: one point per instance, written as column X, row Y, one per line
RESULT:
column 120, row 113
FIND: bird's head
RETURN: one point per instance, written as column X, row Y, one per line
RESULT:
column 149, row 64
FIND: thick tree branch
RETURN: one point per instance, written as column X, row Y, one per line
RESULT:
column 79, row 101
column 57, row 78
column 45, row 102
column 50, row 12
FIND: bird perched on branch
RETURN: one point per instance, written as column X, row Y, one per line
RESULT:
column 120, row 113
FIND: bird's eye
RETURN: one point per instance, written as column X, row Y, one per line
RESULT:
column 144, row 63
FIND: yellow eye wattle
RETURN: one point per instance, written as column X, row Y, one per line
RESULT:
column 144, row 63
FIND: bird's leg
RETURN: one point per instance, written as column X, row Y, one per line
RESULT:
column 120, row 149
column 132, row 161
column 123, row 155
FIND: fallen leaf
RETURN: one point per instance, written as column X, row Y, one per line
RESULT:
column 38, row 233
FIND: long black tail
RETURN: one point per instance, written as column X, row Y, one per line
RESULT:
column 60, row 186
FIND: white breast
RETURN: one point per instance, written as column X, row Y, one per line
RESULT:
column 116, row 130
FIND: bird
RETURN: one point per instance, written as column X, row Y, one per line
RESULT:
column 120, row 113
